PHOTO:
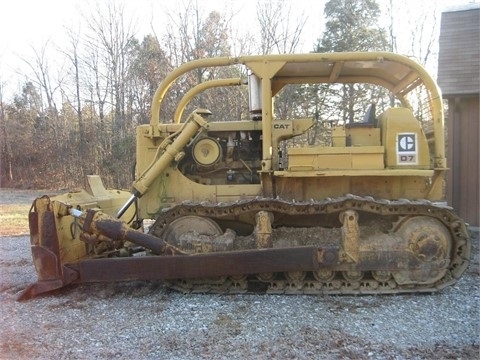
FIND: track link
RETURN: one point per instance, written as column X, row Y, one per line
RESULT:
column 333, row 282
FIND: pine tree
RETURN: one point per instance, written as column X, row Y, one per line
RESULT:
column 352, row 25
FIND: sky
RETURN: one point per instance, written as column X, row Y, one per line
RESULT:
column 26, row 25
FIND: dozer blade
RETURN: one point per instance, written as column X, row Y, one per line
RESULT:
column 51, row 273
column 54, row 273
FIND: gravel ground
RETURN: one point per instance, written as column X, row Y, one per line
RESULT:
column 145, row 320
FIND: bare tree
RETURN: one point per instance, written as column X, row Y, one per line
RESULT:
column 279, row 31
column 414, row 29
column 424, row 36
column 74, row 57
column 109, row 42
column 40, row 67
column 54, row 128
column 195, row 34
column 110, row 38
column 417, row 37
column 148, row 69
column 6, row 156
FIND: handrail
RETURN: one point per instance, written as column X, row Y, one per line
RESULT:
column 172, row 76
column 198, row 89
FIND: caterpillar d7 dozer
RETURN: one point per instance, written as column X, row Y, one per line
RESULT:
column 248, row 205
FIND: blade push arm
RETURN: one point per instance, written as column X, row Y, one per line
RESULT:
column 171, row 149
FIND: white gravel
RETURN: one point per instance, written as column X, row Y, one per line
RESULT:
column 143, row 320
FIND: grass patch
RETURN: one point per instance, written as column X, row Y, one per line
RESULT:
column 14, row 219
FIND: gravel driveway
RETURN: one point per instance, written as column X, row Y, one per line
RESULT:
column 144, row 320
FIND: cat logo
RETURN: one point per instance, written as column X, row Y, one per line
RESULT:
column 281, row 126
column 406, row 142
column 407, row 149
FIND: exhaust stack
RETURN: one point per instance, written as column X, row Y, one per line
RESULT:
column 255, row 96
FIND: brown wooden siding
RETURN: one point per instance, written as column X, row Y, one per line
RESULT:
column 463, row 191
column 459, row 80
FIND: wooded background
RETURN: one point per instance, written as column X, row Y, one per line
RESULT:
column 80, row 119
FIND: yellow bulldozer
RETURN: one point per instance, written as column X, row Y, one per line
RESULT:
column 249, row 205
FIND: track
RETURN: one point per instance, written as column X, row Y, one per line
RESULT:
column 334, row 281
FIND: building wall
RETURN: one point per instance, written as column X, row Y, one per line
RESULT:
column 463, row 192
column 459, row 80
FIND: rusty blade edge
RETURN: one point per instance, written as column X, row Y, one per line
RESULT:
column 307, row 258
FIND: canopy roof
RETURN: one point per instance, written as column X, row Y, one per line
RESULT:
column 397, row 73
